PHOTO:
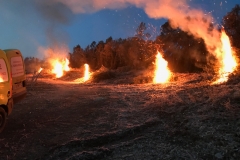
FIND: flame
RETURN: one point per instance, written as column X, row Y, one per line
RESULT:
column 86, row 72
column 1, row 79
column 227, row 59
column 56, row 56
column 162, row 73
column 59, row 66
column 40, row 70
column 66, row 67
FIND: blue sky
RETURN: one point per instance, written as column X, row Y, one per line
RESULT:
column 26, row 26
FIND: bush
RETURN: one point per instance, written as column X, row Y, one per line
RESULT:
column 103, row 76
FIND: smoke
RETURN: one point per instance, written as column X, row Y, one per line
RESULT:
column 89, row 6
column 55, row 14
column 180, row 14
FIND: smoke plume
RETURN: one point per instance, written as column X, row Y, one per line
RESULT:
column 180, row 14
column 55, row 14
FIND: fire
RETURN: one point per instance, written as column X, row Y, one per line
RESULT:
column 60, row 66
column 162, row 73
column 40, row 70
column 1, row 79
column 56, row 56
column 86, row 72
column 227, row 60
column 66, row 67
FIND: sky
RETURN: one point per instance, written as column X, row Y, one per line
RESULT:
column 35, row 25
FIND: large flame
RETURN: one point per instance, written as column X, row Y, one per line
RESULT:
column 162, row 73
column 59, row 66
column 227, row 59
column 86, row 72
column 56, row 56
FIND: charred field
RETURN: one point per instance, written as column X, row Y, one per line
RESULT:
column 125, row 118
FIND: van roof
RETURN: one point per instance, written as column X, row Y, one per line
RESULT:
column 11, row 49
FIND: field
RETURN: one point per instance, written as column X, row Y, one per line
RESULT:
column 187, row 118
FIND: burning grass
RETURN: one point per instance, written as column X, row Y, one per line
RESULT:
column 226, row 64
column 127, row 116
column 162, row 73
column 98, row 77
column 227, row 59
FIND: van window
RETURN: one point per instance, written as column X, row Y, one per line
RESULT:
column 17, row 66
column 3, row 71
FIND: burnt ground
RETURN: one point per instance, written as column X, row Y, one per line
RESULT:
column 184, row 119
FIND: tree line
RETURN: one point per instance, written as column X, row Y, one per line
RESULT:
column 184, row 52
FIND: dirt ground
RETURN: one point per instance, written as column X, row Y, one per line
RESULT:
column 187, row 119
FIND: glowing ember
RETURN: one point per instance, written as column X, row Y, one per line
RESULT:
column 162, row 73
column 86, row 72
column 227, row 60
column 59, row 67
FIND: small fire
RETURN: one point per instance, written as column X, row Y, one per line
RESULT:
column 86, row 72
column 162, row 73
column 60, row 66
column 1, row 79
column 40, row 70
column 227, row 60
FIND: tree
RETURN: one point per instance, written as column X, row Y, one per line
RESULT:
column 77, row 58
column 93, row 45
column 32, row 64
column 134, row 56
column 108, row 54
column 184, row 52
column 91, row 55
column 231, row 24
column 99, row 49
column 140, row 31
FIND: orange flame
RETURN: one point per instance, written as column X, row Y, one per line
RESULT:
column 227, row 59
column 40, row 70
column 59, row 67
column 86, row 72
column 1, row 79
column 162, row 73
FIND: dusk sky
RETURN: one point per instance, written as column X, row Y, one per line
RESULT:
column 29, row 25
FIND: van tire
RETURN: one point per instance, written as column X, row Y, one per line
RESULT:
column 3, row 119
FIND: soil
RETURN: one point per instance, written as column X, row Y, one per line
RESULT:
column 184, row 119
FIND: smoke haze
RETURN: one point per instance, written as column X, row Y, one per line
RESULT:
column 193, row 21
column 180, row 14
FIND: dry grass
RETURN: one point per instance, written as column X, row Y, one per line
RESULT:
column 184, row 119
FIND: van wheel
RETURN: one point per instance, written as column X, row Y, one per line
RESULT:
column 3, row 119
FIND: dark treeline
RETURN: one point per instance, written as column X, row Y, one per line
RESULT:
column 184, row 52
column 32, row 64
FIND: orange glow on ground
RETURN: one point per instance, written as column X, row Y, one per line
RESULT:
column 162, row 73
column 228, row 62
